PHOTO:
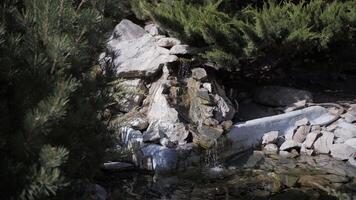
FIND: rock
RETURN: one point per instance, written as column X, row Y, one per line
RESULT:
column 127, row 30
column 350, row 118
column 224, row 109
column 331, row 127
column 227, row 125
column 290, row 144
column 341, row 151
column 99, row 193
column 310, row 139
column 117, row 166
column 301, row 133
column 352, row 162
column 313, row 181
column 256, row 158
column 167, row 143
column 344, row 134
column 286, row 154
column 199, row 74
column 288, row 180
column 175, row 132
column 168, row 42
column 208, row 87
column 306, row 151
column 270, row 137
column 152, row 29
column 134, row 53
column 280, row 96
column 138, row 123
column 352, row 109
column 248, row 134
column 335, row 178
column 315, row 128
column 323, row 143
column 347, row 126
column 179, row 50
column 161, row 159
column 296, row 105
column 351, row 143
column 132, row 96
column 127, row 135
column 270, row 149
column 289, row 134
column 207, row 135
column 211, row 122
column 302, row 122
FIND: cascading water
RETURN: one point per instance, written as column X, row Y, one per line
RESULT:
column 211, row 156
column 184, row 69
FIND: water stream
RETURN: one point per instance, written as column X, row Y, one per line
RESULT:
column 184, row 70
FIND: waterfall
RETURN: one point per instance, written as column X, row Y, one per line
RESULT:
column 212, row 156
column 184, row 69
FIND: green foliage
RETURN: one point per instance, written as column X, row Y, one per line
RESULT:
column 272, row 32
column 50, row 100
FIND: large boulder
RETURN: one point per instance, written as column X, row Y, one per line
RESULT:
column 134, row 52
column 280, row 96
column 159, row 159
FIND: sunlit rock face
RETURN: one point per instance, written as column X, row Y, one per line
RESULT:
column 170, row 108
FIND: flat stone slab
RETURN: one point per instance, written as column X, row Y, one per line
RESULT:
column 248, row 134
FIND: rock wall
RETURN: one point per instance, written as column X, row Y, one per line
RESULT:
column 168, row 106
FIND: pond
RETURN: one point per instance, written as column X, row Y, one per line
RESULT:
column 252, row 175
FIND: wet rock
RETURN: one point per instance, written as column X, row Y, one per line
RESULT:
column 341, row 151
column 207, row 135
column 270, row 149
column 290, row 144
column 313, row 181
column 168, row 42
column 224, row 109
column 323, row 143
column 270, row 137
column 199, row 74
column 256, row 158
column 310, row 139
column 301, row 133
column 180, row 50
column 162, row 159
column 117, row 166
column 288, row 180
column 280, row 96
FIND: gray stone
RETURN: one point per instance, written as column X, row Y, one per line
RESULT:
column 167, row 143
column 132, row 96
column 117, row 166
column 270, row 149
column 248, row 134
column 211, row 122
column 305, row 151
column 175, row 132
column 179, row 50
column 302, row 122
column 331, row 127
column 310, row 139
column 301, row 133
column 289, row 134
column 134, row 53
column 341, row 151
column 285, row 154
column 199, row 74
column 168, row 42
column 290, row 144
column 270, row 137
column 152, row 29
column 208, row 87
column 224, row 109
column 352, row 109
column 347, row 126
column 127, row 30
column 227, row 125
column 280, row 96
column 323, row 143
column 138, row 123
column 352, row 161
column 128, row 135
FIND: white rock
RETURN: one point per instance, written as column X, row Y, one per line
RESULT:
column 350, row 118
column 306, row 151
column 310, row 139
column 270, row 149
column 302, row 122
column 331, row 127
column 341, row 151
column 248, row 134
column 352, row 161
column 152, row 29
column 290, row 144
column 168, row 42
column 351, row 143
column 352, row 109
column 139, row 123
column 323, row 143
column 270, row 137
column 347, row 126
column 199, row 74
column 289, row 134
column 179, row 49
column 344, row 134
column 301, row 133
column 127, row 30
column 208, row 87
